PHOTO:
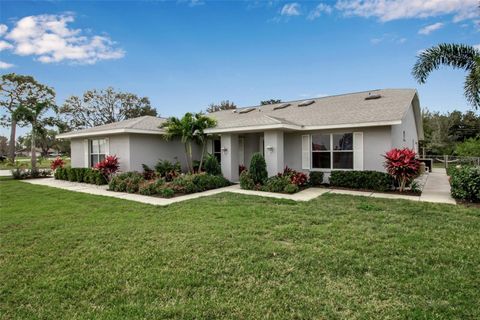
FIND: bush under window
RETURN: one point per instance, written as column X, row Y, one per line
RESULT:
column 369, row 180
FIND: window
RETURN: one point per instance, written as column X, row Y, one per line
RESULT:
column 97, row 151
column 332, row 151
column 217, row 150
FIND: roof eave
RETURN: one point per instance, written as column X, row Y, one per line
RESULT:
column 70, row 135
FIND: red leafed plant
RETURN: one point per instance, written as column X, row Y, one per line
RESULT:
column 57, row 163
column 297, row 178
column 108, row 166
column 402, row 165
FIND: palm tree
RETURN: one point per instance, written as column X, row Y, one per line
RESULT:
column 202, row 122
column 190, row 128
column 458, row 56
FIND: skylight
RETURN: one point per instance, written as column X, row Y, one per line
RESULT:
column 306, row 103
column 282, row 106
column 246, row 110
column 372, row 96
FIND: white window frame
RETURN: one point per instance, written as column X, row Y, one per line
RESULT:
column 90, row 149
column 331, row 151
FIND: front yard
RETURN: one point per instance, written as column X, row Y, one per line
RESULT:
column 71, row 255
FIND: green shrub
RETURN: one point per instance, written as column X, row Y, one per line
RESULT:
column 165, row 167
column 258, row 169
column 149, row 188
column 166, row 192
column 370, row 180
column 276, row 184
column 246, row 181
column 291, row 188
column 212, row 166
column 184, row 184
column 72, row 174
column 465, row 183
column 315, row 178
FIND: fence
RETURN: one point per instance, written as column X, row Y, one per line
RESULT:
column 444, row 161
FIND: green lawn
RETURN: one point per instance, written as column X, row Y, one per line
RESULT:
column 66, row 255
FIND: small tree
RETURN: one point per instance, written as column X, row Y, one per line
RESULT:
column 258, row 169
column 223, row 105
column 402, row 165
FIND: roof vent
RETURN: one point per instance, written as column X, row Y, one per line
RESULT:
column 306, row 103
column 246, row 110
column 373, row 96
column 282, row 106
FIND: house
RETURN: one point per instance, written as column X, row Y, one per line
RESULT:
column 342, row 132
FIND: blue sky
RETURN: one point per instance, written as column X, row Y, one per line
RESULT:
column 184, row 55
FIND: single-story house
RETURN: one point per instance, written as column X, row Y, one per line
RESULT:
column 342, row 132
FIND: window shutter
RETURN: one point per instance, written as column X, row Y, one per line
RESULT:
column 306, row 152
column 241, row 151
column 107, row 146
column 86, row 152
column 358, row 151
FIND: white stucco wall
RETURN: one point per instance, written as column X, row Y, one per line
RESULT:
column 77, row 153
column 411, row 135
column 148, row 149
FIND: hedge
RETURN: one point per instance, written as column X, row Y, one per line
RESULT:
column 87, row 175
column 465, row 183
column 369, row 180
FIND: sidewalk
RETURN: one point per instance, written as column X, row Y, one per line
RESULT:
column 437, row 187
column 430, row 195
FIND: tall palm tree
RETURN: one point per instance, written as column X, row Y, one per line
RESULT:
column 190, row 128
column 458, row 56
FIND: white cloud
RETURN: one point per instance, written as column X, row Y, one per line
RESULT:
column 4, row 45
column 387, row 10
column 49, row 39
column 290, row 9
column 430, row 28
column 317, row 12
column 388, row 37
column 3, row 29
column 477, row 46
column 5, row 65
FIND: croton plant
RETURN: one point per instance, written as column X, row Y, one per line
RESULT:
column 108, row 166
column 403, row 165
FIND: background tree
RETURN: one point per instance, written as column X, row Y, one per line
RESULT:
column 17, row 90
column 98, row 107
column 44, row 139
column 458, row 56
column 223, row 105
column 3, row 145
column 34, row 114
column 270, row 101
column 469, row 148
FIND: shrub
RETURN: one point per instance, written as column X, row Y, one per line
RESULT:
column 276, row 183
column 258, row 169
column 212, row 166
column 246, row 181
column 126, row 182
column 402, row 165
column 20, row 173
column 167, row 169
column 469, row 147
column 166, row 192
column 57, row 163
column 108, row 166
column 207, row 182
column 315, row 178
column 291, row 188
column 149, row 188
column 371, row 180
column 299, row 179
column 465, row 183
column 148, row 173
column 241, row 168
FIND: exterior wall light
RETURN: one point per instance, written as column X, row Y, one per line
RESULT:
column 270, row 148
column 224, row 149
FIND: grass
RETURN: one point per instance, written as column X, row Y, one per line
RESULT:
column 76, row 256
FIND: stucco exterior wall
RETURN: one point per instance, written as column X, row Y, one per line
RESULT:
column 119, row 146
column 148, row 149
column 409, row 127
column 252, row 145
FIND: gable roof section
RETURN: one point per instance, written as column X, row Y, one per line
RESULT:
column 340, row 111
column 145, row 125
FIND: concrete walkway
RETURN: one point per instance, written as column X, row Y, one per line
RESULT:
column 437, row 187
column 305, row 195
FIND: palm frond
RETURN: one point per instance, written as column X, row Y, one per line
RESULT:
column 472, row 87
column 458, row 56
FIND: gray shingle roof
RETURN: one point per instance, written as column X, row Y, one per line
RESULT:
column 326, row 111
column 147, row 124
